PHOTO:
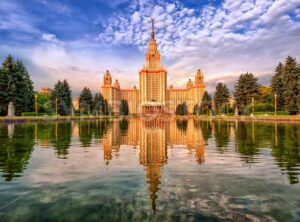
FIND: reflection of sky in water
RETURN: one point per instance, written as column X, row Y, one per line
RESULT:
column 158, row 170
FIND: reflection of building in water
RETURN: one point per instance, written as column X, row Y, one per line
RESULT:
column 152, row 138
column 153, row 153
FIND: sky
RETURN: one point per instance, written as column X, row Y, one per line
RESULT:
column 78, row 40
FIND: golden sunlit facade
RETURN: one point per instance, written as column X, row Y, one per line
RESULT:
column 153, row 96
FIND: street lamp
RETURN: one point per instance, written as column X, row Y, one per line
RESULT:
column 56, row 106
column 275, row 104
column 36, row 105
column 253, row 105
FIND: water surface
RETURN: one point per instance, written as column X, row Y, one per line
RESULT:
column 142, row 170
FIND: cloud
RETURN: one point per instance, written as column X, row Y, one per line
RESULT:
column 49, row 37
column 224, row 40
column 228, row 39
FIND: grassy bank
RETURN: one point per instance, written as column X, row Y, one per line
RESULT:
column 284, row 118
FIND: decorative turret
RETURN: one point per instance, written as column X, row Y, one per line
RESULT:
column 116, row 84
column 107, row 79
column 189, row 84
column 134, row 87
column 171, row 86
column 199, row 78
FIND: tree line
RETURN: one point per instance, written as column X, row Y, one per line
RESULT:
column 16, row 86
column 250, row 95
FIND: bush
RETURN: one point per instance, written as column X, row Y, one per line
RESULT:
column 259, row 107
column 28, row 114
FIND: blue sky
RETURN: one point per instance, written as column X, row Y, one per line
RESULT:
column 78, row 40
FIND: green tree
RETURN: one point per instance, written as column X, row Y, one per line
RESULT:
column 124, row 109
column 62, row 94
column 277, row 85
column 44, row 103
column 86, row 101
column 98, row 104
column 291, row 87
column 221, row 96
column 246, row 88
column 266, row 95
column 182, row 109
column 197, row 109
column 206, row 104
column 15, row 86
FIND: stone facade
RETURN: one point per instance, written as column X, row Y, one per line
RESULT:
column 153, row 96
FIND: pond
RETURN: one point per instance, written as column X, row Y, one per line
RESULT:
column 150, row 170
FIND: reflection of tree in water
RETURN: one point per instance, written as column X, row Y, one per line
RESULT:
column 182, row 124
column 86, row 129
column 221, row 132
column 246, row 143
column 62, row 132
column 123, row 126
column 100, row 128
column 205, row 127
column 15, row 149
column 286, row 149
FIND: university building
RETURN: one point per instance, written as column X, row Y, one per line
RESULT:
column 153, row 95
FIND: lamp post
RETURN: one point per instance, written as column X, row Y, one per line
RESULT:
column 56, row 106
column 253, row 105
column 36, row 105
column 275, row 104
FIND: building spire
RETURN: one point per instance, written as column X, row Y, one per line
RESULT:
column 152, row 32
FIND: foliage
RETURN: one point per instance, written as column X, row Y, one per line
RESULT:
column 62, row 94
column 124, row 109
column 259, row 107
column 277, row 85
column 291, row 85
column 266, row 95
column 221, row 96
column 15, row 86
column 44, row 103
column 182, row 109
column 206, row 104
column 86, row 101
column 246, row 88
column 197, row 109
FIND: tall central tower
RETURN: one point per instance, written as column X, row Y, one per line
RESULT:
column 153, row 80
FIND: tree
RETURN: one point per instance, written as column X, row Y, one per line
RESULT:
column 98, row 104
column 44, row 103
column 291, row 82
column 221, row 96
column 182, row 109
column 15, row 86
column 124, row 109
column 86, row 101
column 62, row 94
column 266, row 95
column 197, row 109
column 277, row 85
column 246, row 88
column 206, row 103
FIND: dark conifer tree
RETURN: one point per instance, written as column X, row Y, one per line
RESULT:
column 206, row 103
column 291, row 85
column 62, row 94
column 221, row 96
column 86, row 101
column 15, row 86
column 246, row 88
column 124, row 109
column 277, row 85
